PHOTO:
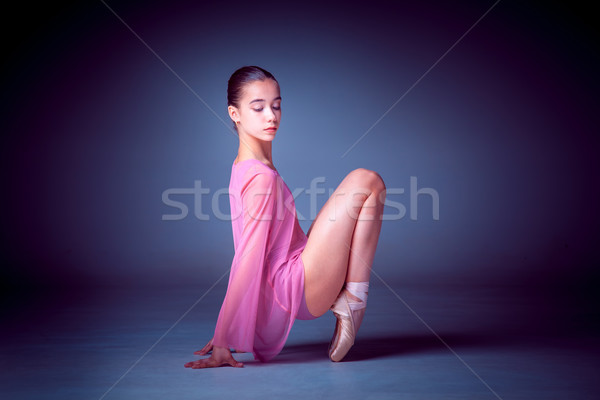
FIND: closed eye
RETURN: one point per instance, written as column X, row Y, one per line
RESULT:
column 260, row 109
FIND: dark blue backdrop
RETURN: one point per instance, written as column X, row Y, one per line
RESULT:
column 504, row 129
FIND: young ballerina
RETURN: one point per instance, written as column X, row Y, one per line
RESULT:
column 278, row 273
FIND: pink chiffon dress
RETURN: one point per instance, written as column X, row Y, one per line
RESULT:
column 266, row 281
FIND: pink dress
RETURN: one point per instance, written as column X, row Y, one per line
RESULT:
column 266, row 282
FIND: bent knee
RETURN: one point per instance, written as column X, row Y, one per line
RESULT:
column 369, row 178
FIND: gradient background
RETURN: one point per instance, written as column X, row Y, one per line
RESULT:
column 504, row 128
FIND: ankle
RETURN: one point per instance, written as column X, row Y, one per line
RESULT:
column 352, row 297
column 357, row 291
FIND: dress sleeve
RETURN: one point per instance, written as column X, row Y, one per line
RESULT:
column 237, row 319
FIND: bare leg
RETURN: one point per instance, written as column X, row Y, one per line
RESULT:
column 365, row 238
column 343, row 239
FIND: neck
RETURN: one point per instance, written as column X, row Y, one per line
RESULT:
column 251, row 147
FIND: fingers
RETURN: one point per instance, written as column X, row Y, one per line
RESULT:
column 220, row 356
column 206, row 349
column 211, row 363
column 236, row 364
column 204, row 363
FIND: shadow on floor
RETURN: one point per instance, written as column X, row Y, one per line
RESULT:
column 389, row 346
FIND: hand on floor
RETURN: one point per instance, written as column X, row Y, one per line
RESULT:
column 208, row 348
column 220, row 356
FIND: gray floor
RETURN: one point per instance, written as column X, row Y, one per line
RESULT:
column 417, row 343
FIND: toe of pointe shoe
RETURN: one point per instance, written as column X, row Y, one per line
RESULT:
column 343, row 339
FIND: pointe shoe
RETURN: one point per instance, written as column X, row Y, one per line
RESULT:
column 349, row 314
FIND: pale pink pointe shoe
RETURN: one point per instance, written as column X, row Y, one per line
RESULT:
column 349, row 314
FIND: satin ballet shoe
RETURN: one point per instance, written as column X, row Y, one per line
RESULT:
column 349, row 314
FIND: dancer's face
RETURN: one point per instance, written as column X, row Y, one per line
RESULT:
column 259, row 111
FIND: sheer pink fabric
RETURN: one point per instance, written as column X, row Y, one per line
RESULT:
column 266, row 282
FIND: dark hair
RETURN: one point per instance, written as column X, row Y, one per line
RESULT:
column 242, row 77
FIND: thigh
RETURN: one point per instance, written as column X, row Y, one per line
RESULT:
column 327, row 251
